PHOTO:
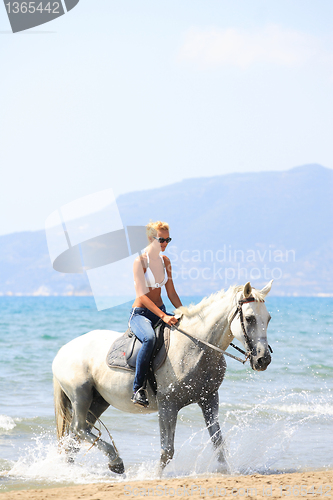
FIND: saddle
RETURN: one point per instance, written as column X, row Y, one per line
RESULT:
column 124, row 351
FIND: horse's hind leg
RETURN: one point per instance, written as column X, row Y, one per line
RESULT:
column 210, row 409
column 97, row 407
column 83, row 420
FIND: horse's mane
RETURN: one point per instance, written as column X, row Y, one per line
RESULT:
column 196, row 309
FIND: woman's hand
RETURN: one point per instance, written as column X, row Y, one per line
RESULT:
column 169, row 320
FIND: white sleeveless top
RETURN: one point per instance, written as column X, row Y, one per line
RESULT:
column 149, row 277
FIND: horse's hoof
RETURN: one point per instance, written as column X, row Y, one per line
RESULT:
column 118, row 468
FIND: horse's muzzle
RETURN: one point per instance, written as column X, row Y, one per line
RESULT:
column 260, row 363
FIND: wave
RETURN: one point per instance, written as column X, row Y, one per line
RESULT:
column 301, row 409
column 6, row 423
column 317, row 409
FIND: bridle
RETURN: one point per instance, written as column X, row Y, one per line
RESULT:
column 247, row 338
column 248, row 341
column 239, row 311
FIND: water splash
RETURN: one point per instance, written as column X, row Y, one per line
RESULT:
column 257, row 438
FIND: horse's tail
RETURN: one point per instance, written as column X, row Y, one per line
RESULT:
column 63, row 410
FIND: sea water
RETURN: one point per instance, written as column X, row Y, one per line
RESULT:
column 273, row 421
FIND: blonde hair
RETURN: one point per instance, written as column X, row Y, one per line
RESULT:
column 153, row 227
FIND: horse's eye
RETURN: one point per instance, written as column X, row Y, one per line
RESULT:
column 251, row 320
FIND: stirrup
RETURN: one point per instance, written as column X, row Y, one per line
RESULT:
column 140, row 397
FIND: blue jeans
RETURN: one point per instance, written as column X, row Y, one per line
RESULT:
column 141, row 322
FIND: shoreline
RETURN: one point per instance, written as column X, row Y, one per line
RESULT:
column 310, row 484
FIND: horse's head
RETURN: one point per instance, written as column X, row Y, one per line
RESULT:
column 249, row 323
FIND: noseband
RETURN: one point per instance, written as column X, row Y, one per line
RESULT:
column 248, row 341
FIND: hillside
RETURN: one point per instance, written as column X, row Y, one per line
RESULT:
column 225, row 229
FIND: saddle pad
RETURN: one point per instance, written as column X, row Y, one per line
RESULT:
column 116, row 357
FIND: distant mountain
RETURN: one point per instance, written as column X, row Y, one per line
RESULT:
column 226, row 229
column 25, row 268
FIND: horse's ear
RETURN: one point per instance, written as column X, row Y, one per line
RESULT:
column 267, row 288
column 247, row 290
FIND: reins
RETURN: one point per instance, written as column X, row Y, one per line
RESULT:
column 247, row 339
column 200, row 341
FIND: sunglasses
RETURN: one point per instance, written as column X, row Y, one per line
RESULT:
column 162, row 240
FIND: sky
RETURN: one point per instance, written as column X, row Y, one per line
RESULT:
column 133, row 95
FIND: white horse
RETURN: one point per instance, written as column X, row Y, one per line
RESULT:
column 84, row 386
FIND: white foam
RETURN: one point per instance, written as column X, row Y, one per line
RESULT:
column 317, row 409
column 6, row 423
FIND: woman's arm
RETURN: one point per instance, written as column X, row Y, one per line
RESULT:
column 139, row 278
column 149, row 304
column 141, row 290
column 169, row 286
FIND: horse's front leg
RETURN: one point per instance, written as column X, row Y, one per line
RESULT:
column 210, row 409
column 167, row 413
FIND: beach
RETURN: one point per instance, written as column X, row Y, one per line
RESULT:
column 313, row 484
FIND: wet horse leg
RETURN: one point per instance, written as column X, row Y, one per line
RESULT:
column 97, row 407
column 210, row 409
column 82, row 422
column 167, row 413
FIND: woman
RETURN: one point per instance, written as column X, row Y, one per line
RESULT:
column 151, row 272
